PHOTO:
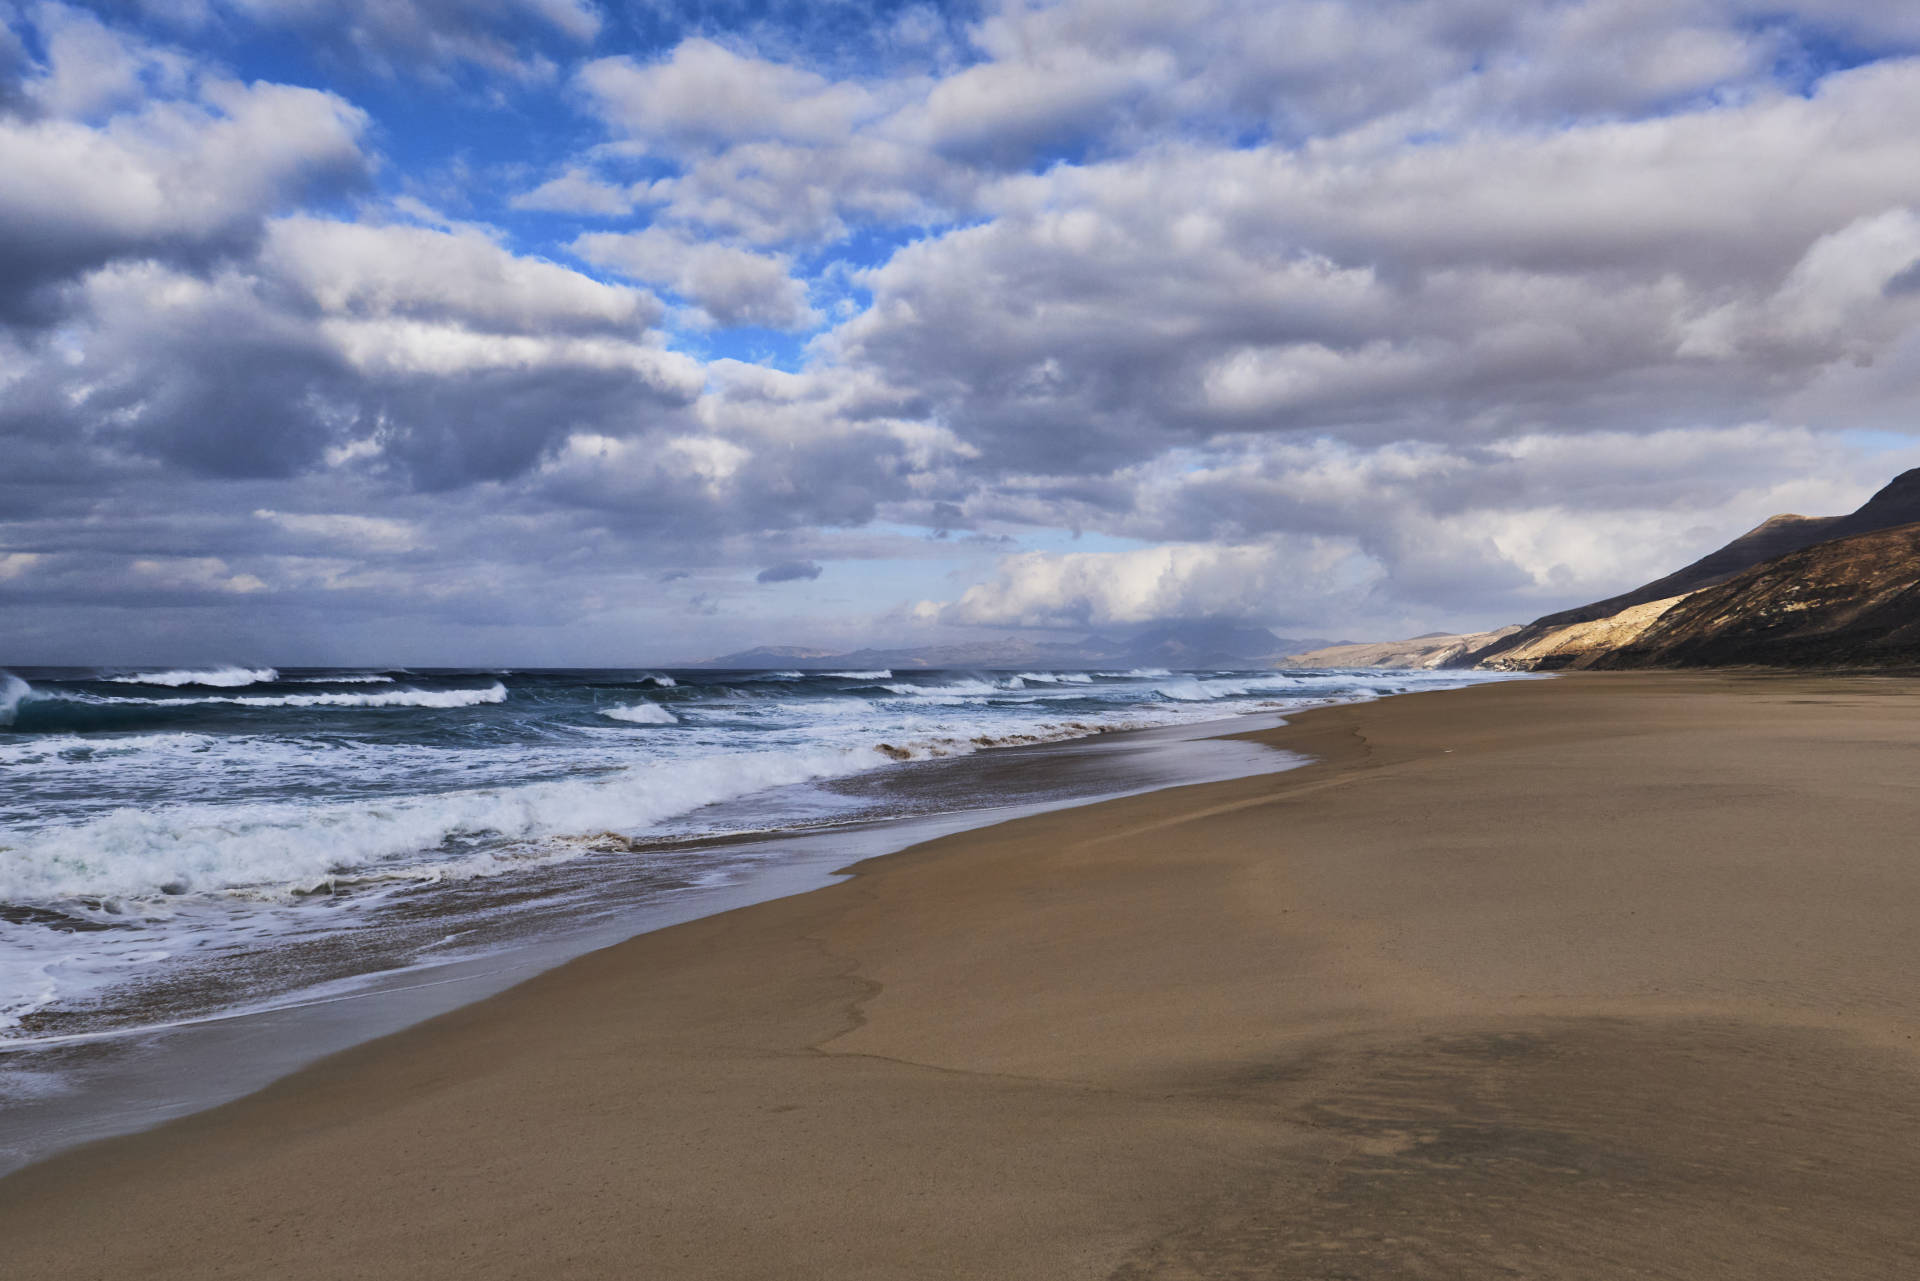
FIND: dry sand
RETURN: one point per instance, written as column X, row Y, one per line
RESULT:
column 1610, row 976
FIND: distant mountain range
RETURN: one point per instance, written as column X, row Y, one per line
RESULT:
column 1191, row 644
column 1795, row 591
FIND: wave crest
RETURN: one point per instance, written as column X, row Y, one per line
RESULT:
column 641, row 714
column 950, row 690
column 494, row 693
column 210, row 677
column 362, row 679
column 13, row 692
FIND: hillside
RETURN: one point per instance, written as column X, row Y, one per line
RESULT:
column 1848, row 602
column 1896, row 504
column 1582, row 644
column 1436, row 649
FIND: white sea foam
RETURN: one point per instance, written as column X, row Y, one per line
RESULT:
column 809, row 713
column 210, row 677
column 950, row 690
column 1209, row 688
column 660, row 682
column 641, row 714
column 883, row 674
column 343, row 680
column 134, row 861
column 35, row 975
column 38, row 747
column 1197, row 691
column 1138, row 673
column 1054, row 678
column 13, row 692
column 494, row 693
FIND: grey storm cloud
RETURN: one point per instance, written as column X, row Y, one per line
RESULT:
column 1411, row 314
column 788, row 571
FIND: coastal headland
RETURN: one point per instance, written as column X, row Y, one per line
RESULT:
column 1604, row 976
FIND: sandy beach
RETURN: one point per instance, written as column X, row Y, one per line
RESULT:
column 1597, row 977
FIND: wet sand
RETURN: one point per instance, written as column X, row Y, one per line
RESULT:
column 1600, row 977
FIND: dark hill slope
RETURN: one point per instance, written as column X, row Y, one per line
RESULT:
column 1847, row 602
column 1898, row 503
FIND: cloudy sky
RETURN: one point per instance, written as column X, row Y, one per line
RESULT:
column 611, row 331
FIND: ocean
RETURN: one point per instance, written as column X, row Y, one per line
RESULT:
column 181, row 846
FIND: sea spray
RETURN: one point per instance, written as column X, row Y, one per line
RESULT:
column 13, row 692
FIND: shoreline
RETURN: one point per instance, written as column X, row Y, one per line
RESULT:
column 150, row 1073
column 1600, row 976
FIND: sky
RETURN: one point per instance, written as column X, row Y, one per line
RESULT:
column 561, row 332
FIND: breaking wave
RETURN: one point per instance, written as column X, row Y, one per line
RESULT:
column 209, row 677
column 495, row 693
column 953, row 689
column 641, row 714
column 883, row 674
column 137, row 861
column 1199, row 691
column 13, row 692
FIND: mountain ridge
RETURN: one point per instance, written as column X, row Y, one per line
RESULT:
column 1896, row 503
column 1845, row 602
